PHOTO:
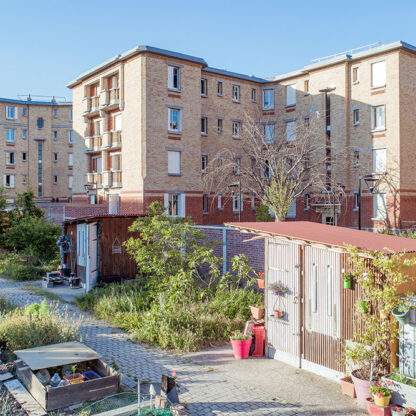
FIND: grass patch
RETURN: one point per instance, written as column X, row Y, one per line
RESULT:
column 45, row 293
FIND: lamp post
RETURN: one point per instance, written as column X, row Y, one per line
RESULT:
column 371, row 181
column 89, row 186
column 238, row 186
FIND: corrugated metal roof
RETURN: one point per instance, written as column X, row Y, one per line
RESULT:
column 329, row 235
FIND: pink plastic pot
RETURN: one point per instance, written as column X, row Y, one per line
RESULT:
column 241, row 348
column 362, row 390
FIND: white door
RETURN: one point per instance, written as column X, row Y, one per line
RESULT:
column 92, row 256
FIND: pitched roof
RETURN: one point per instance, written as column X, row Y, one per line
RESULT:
column 314, row 232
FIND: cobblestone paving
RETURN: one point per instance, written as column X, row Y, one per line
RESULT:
column 205, row 391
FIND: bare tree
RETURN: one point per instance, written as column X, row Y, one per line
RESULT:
column 278, row 165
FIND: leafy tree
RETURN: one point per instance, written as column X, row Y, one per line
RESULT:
column 25, row 206
column 5, row 219
column 263, row 214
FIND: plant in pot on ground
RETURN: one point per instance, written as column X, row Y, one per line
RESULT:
column 381, row 395
column 241, row 344
column 379, row 275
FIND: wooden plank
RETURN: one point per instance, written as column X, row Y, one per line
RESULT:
column 32, row 383
column 6, row 376
column 25, row 400
column 56, row 355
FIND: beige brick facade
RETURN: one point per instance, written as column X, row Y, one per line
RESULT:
column 36, row 148
column 139, row 173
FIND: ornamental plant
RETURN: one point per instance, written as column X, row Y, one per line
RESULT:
column 380, row 391
column 379, row 275
column 260, row 275
column 239, row 336
column 279, row 288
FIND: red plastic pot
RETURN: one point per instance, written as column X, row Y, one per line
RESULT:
column 241, row 348
column 362, row 390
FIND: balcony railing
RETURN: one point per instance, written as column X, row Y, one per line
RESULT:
column 112, row 179
column 112, row 139
column 95, row 178
column 110, row 98
column 93, row 143
column 91, row 105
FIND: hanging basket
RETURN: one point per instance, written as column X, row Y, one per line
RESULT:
column 402, row 314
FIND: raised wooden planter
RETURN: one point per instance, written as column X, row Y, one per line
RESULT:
column 52, row 398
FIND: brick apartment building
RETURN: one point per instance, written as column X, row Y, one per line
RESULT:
column 37, row 148
column 146, row 123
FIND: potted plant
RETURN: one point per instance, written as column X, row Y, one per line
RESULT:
column 279, row 289
column 402, row 388
column 347, row 278
column 347, row 387
column 260, row 280
column 402, row 314
column 381, row 395
column 241, row 344
column 278, row 314
column 74, row 377
column 397, row 410
column 257, row 311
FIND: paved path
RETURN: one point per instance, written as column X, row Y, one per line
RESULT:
column 211, row 382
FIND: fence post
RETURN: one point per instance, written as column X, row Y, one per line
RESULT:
column 224, row 250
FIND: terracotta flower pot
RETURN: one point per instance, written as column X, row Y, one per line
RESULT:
column 362, row 389
column 278, row 314
column 347, row 387
column 260, row 283
column 257, row 311
column 241, row 348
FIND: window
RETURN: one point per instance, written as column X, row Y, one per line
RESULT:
column 204, row 126
column 219, row 162
column 237, row 202
column 292, row 210
column 10, row 158
column 379, row 206
column 236, row 129
column 40, row 123
column 269, row 133
column 219, row 199
column 236, row 93
column 174, row 78
column 355, row 75
column 378, row 74
column 70, row 137
column 8, row 181
column 70, row 115
column 378, row 116
column 55, row 179
column 268, row 99
column 174, row 162
column 253, row 201
column 96, row 164
column 55, row 157
column 291, row 131
column 307, row 201
column 117, row 122
column 253, row 164
column 70, row 180
column 205, row 203
column 55, row 113
column 70, row 159
column 24, row 134
column 379, row 160
column 40, row 173
column 356, row 159
column 306, row 86
column 236, row 166
column 306, row 121
column 204, row 87
column 10, row 135
column 24, row 179
column 175, row 204
column 174, row 125
column 219, row 88
column 204, row 163
column 356, row 116
column 116, row 162
column 24, row 156
column 24, row 111
column 55, row 134
column 219, row 126
column 291, row 95
column 11, row 112
column 253, row 95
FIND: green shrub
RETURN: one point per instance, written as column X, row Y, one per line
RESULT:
column 34, row 326
column 5, row 305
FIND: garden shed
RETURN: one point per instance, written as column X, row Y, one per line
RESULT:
column 96, row 249
column 310, row 259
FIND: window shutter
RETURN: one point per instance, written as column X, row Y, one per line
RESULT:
column 379, row 160
column 4, row 180
column 182, row 212
column 291, row 94
column 166, row 203
column 378, row 74
column 174, row 164
column 117, row 120
column 12, row 181
column 16, row 113
column 170, row 76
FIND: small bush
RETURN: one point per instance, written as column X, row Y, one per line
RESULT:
column 34, row 326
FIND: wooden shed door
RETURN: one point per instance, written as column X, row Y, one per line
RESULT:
column 92, row 256
column 283, row 266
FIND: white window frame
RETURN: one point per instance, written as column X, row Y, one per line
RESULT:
column 291, row 95
column 174, row 163
column 171, row 78
column 180, row 203
column 380, row 160
column 355, row 116
column 12, row 112
column 204, row 87
column 356, row 156
column 237, row 202
column 178, row 112
column 254, row 95
column 118, row 156
column 219, row 88
column 291, row 131
column 220, row 124
column 204, row 163
column 268, row 130
column 235, row 94
column 307, row 201
column 236, row 129
column 70, row 181
column 118, row 122
column 219, row 201
column 9, row 157
column 355, row 70
column 377, row 80
column 70, row 136
column 374, row 118
column 356, row 200
column 11, row 180
column 70, row 159
column 10, row 135
column 268, row 99
column 204, row 126
column 306, row 86
column 379, row 197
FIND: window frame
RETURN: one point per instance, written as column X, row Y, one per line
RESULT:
column 236, row 124
column 355, row 116
column 12, row 180
column 253, row 95
column 269, row 127
column 174, row 68
column 220, row 125
column 178, row 111
column 220, row 88
column 204, row 87
column 204, row 126
column 171, row 171
column 205, row 203
column 306, row 86
column 382, row 84
column 374, row 117
column 268, row 92
column 291, row 87
column 382, row 150
column 204, row 163
column 10, row 135
column 355, row 71
column 376, row 209
column 290, row 135
column 235, row 89
column 11, row 112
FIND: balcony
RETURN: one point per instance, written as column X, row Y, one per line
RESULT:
column 91, row 106
column 93, row 143
column 112, row 179
column 110, row 99
column 112, row 139
column 95, row 179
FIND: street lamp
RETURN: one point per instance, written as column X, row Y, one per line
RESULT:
column 237, row 185
column 371, row 181
column 89, row 186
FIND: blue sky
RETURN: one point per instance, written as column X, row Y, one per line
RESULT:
column 45, row 44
